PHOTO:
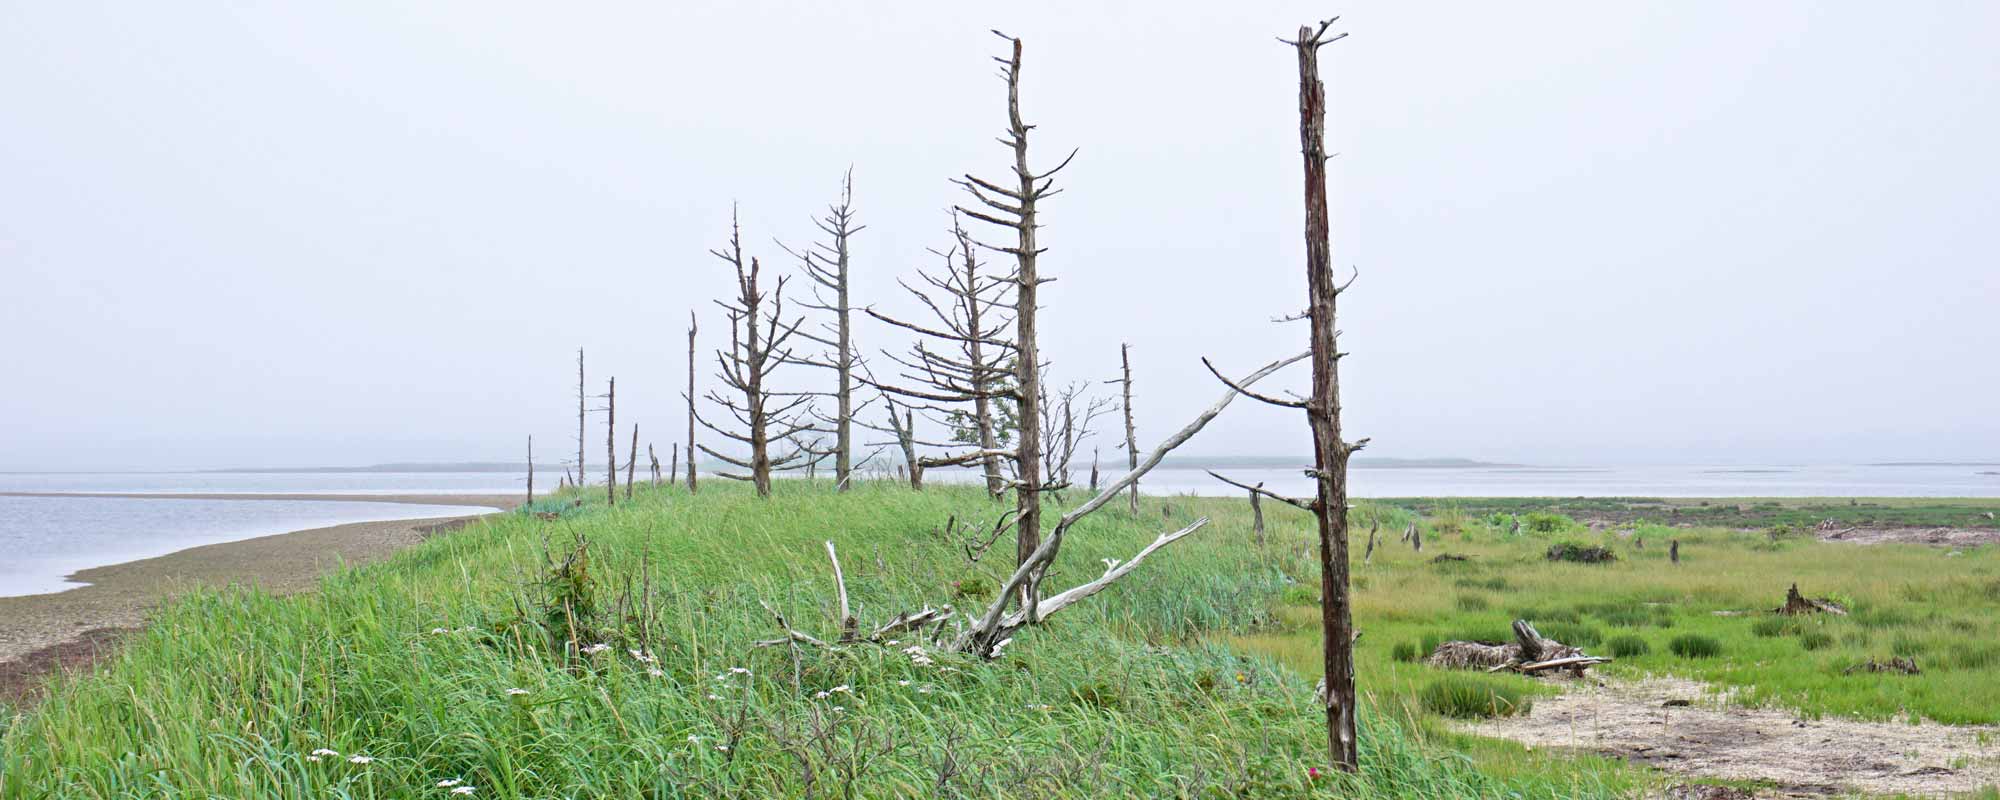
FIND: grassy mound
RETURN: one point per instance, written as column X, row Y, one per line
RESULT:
column 600, row 652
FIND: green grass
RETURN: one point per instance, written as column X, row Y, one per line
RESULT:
column 1627, row 646
column 1694, row 645
column 1473, row 696
column 460, row 659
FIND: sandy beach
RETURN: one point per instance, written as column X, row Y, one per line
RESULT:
column 46, row 631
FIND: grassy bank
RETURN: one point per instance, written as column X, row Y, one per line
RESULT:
column 454, row 661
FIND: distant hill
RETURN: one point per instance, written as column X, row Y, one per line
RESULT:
column 460, row 466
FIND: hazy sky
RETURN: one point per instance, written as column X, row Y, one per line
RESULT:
column 278, row 234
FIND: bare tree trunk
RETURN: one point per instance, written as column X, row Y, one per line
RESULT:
column 611, row 443
column 581, row 439
column 1131, row 438
column 1093, row 470
column 631, row 461
column 1674, row 551
column 531, row 470
column 692, row 327
column 673, row 462
column 1257, row 515
column 1330, row 452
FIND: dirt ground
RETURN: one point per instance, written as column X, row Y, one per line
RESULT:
column 1951, row 537
column 1795, row 757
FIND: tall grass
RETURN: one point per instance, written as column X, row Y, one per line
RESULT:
column 460, row 659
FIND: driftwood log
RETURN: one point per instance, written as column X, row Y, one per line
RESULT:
column 1796, row 603
column 1529, row 654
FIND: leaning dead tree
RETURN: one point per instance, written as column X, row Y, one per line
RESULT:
column 757, row 339
column 1330, row 451
column 1021, row 601
column 825, row 263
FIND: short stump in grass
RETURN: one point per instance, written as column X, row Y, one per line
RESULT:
column 1469, row 697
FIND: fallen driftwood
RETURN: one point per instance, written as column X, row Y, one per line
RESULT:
column 1796, row 603
column 1529, row 654
column 1448, row 557
column 1907, row 666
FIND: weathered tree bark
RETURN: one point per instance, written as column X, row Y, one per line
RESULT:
column 1131, row 437
column 611, row 443
column 692, row 327
column 1330, row 451
column 1530, row 653
column 631, row 461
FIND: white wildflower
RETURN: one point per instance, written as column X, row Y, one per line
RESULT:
column 842, row 688
column 693, row 738
column 449, row 782
column 902, row 683
column 739, row 671
column 325, row 752
column 462, row 790
column 439, row 631
column 516, row 692
column 838, row 709
column 596, row 648
column 821, row 695
column 893, row 642
column 722, row 747
column 714, row 696
column 361, row 759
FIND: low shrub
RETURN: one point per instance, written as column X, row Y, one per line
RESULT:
column 1694, row 645
column 1580, row 553
column 1468, row 697
column 1627, row 646
column 1539, row 522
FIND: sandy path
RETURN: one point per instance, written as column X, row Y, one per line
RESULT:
column 45, row 631
column 1805, row 758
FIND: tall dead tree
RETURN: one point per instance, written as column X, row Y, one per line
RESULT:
column 952, row 379
column 692, row 328
column 611, row 443
column 826, row 264
column 581, row 439
column 1131, row 435
column 1330, row 451
column 757, row 337
column 531, row 469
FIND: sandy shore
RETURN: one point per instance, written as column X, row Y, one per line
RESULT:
column 46, row 631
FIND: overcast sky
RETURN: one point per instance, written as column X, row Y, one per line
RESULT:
column 291, row 234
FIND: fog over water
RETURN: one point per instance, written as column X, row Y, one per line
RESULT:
column 1635, row 233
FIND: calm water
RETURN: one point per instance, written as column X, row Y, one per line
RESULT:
column 48, row 538
column 45, row 538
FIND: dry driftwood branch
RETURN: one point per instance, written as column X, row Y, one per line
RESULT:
column 1260, row 490
column 847, row 623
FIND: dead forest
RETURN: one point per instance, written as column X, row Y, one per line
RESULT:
column 799, row 373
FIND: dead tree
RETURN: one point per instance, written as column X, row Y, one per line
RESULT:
column 1131, row 437
column 631, row 461
column 904, row 428
column 580, row 411
column 673, row 462
column 1068, row 415
column 692, row 327
column 1257, row 514
column 653, row 463
column 531, row 469
column 970, row 365
column 826, row 264
column 1093, row 469
column 757, row 338
column 611, row 443
column 1330, row 451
